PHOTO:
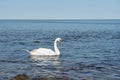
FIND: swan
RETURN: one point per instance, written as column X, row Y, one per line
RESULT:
column 45, row 51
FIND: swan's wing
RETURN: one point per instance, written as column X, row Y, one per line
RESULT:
column 42, row 51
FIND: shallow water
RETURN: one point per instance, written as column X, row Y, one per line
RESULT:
column 90, row 49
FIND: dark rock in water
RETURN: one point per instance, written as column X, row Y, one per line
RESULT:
column 37, row 41
column 21, row 77
column 54, row 78
column 40, row 79
column 60, row 78
column 25, row 77
column 100, row 68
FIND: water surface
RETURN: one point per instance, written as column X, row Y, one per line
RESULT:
column 90, row 49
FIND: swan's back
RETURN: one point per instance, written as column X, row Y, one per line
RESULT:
column 42, row 51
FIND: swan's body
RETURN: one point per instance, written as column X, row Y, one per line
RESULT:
column 44, row 51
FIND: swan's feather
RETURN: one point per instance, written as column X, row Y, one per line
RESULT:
column 42, row 51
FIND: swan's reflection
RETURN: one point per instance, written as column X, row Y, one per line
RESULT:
column 45, row 60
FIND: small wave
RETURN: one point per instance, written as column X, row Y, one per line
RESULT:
column 12, row 61
column 10, row 50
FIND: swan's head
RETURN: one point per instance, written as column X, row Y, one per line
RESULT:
column 58, row 39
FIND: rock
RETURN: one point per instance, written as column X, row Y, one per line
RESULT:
column 25, row 77
column 40, row 79
column 99, row 68
column 37, row 41
column 20, row 77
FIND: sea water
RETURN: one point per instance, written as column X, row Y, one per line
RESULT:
column 90, row 49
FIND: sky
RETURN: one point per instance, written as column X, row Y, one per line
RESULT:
column 59, row 9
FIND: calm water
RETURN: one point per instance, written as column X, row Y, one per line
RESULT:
column 90, row 49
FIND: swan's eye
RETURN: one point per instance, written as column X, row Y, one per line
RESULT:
column 60, row 40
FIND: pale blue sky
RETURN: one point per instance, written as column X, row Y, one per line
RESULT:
column 59, row 9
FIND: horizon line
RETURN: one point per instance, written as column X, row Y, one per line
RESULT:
column 61, row 19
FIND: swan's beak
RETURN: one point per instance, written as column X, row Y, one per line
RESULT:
column 61, row 42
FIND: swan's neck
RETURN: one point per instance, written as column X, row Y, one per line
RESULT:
column 56, row 48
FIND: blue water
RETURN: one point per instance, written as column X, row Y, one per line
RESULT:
column 90, row 49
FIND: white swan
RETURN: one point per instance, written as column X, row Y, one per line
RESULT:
column 44, row 51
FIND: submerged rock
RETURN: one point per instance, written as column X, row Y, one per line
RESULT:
column 56, row 78
column 25, row 77
column 40, row 79
column 20, row 77
column 37, row 41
